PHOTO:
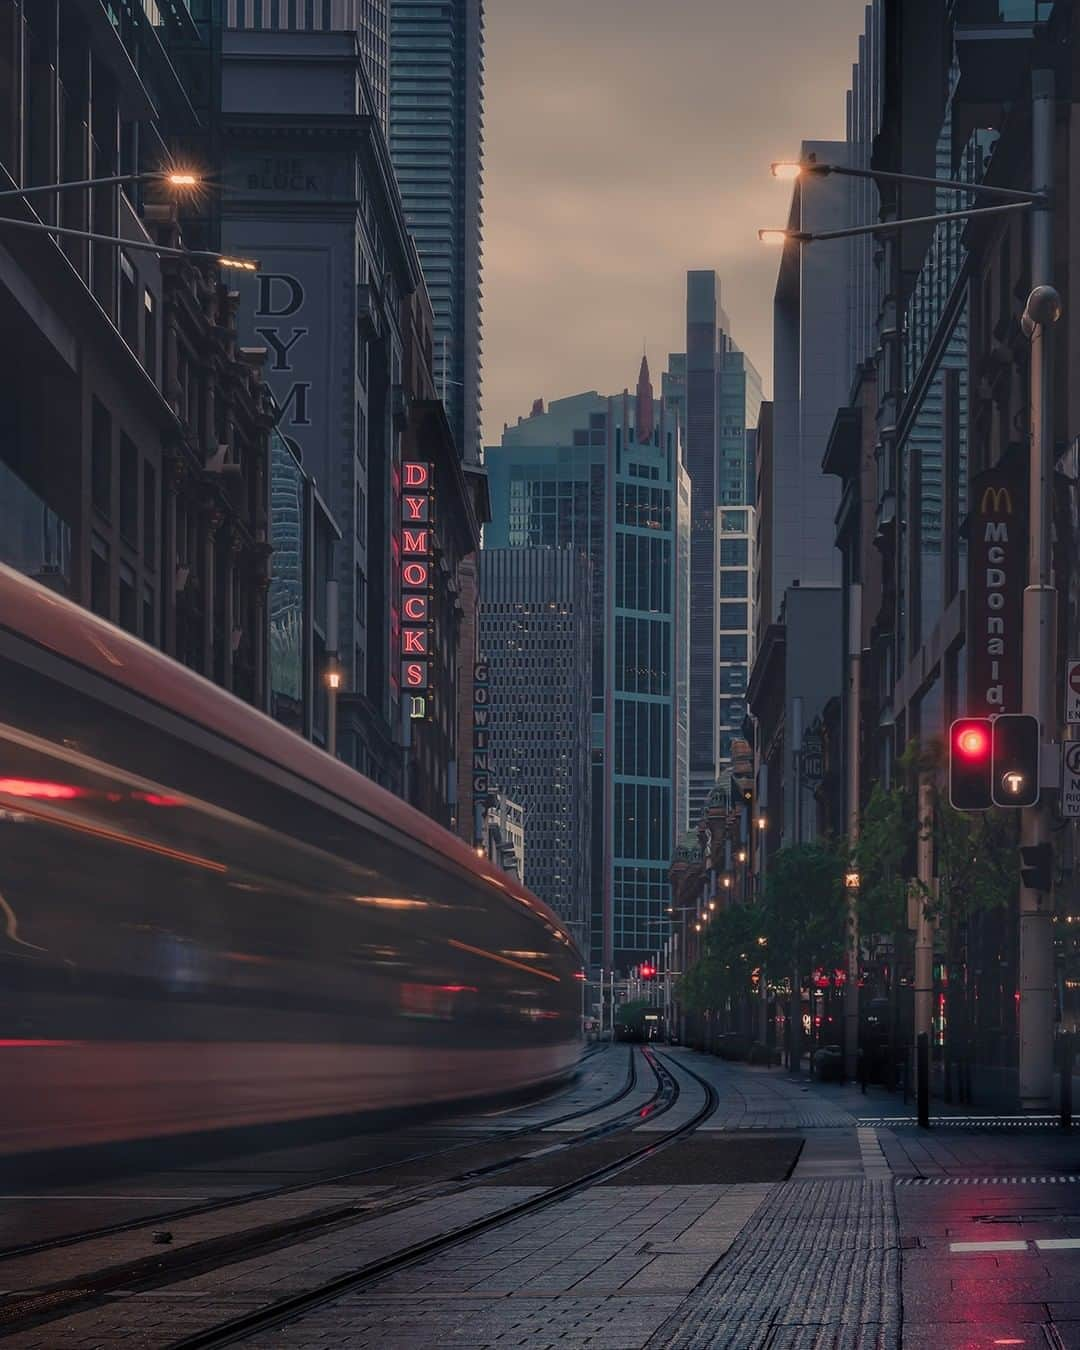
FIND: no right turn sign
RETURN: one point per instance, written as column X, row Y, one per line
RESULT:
column 1070, row 779
column 1072, row 692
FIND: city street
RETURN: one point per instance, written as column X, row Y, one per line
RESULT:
column 782, row 1221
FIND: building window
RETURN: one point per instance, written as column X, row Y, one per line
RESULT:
column 361, row 514
column 733, row 584
column 129, row 303
column 734, row 616
column 149, row 514
column 150, row 343
column 129, row 490
column 733, row 552
column 149, row 626
column 361, row 597
column 733, row 648
column 101, row 458
column 99, row 576
column 129, row 614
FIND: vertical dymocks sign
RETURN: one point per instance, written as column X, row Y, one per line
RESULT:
column 416, row 551
column 997, row 564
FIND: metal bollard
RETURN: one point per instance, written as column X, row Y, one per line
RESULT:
column 922, row 1076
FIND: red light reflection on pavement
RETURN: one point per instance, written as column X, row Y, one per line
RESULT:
column 33, row 1045
column 157, row 799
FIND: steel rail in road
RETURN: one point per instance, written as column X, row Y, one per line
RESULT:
column 65, row 1297
column 288, row 1309
column 297, row 1187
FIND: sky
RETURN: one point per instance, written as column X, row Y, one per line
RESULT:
column 628, row 141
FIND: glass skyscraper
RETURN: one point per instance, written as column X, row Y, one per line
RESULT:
column 436, row 143
column 604, row 476
column 715, row 391
column 535, row 638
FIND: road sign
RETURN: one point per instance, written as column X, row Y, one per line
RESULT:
column 1070, row 779
column 1072, row 692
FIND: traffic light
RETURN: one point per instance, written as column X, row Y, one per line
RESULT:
column 1037, row 866
column 970, row 763
column 1015, row 759
column 648, row 971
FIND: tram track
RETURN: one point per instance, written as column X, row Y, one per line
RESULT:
column 44, row 1245
column 44, row 1303
column 283, row 1311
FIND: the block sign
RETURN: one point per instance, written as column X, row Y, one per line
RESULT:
column 481, row 732
column 416, row 551
column 997, row 563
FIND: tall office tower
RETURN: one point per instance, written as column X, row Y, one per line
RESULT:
column 605, row 476
column 716, row 391
column 366, row 18
column 536, row 642
column 436, row 143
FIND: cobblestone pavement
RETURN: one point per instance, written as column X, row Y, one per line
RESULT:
column 878, row 1241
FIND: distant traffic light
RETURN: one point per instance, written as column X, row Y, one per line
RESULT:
column 1015, row 775
column 970, row 764
column 648, row 971
column 1036, row 872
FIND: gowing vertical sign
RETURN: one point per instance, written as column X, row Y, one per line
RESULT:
column 416, row 551
column 997, row 565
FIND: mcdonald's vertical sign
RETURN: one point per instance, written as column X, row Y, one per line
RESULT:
column 997, row 566
column 416, row 553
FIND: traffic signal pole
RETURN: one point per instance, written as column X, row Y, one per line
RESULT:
column 1036, row 1068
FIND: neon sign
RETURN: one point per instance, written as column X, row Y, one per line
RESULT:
column 416, row 551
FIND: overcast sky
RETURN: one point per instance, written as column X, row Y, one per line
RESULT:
column 627, row 141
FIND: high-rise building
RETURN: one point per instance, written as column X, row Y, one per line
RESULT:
column 436, row 142
column 715, row 391
column 536, row 642
column 604, row 476
column 366, row 18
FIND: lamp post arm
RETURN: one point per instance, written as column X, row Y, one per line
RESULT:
column 39, row 189
column 147, row 245
column 887, row 226
column 883, row 176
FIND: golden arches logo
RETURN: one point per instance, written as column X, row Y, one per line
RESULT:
column 996, row 501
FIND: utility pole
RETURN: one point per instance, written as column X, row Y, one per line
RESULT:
column 1036, row 1012
column 924, row 928
column 854, row 740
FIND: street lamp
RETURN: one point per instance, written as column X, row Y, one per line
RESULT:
column 183, row 179
column 761, row 822
column 223, row 260
column 789, row 170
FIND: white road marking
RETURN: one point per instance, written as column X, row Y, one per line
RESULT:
column 1017, row 1246
column 1057, row 1244
column 95, row 1198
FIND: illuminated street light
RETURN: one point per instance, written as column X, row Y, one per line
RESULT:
column 727, row 883
column 741, row 855
column 697, row 928
column 763, row 942
column 773, row 236
column 186, row 179
column 712, row 904
column 786, row 169
column 761, row 822
column 224, row 260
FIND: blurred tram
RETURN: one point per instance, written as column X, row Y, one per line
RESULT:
column 206, row 922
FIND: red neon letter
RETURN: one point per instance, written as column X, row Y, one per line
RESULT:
column 416, row 474
column 415, row 574
column 414, row 641
column 416, row 508
column 414, row 674
column 414, row 541
column 416, row 608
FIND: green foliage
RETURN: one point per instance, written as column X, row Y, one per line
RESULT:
column 804, row 907
column 886, row 835
column 978, row 860
column 731, row 952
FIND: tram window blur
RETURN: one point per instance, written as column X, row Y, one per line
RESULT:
column 267, row 943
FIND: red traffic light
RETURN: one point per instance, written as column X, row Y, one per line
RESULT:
column 972, row 741
column 970, row 747
column 647, row 971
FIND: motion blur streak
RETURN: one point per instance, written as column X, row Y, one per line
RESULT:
column 492, row 956
column 129, row 840
column 233, row 934
column 23, row 787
